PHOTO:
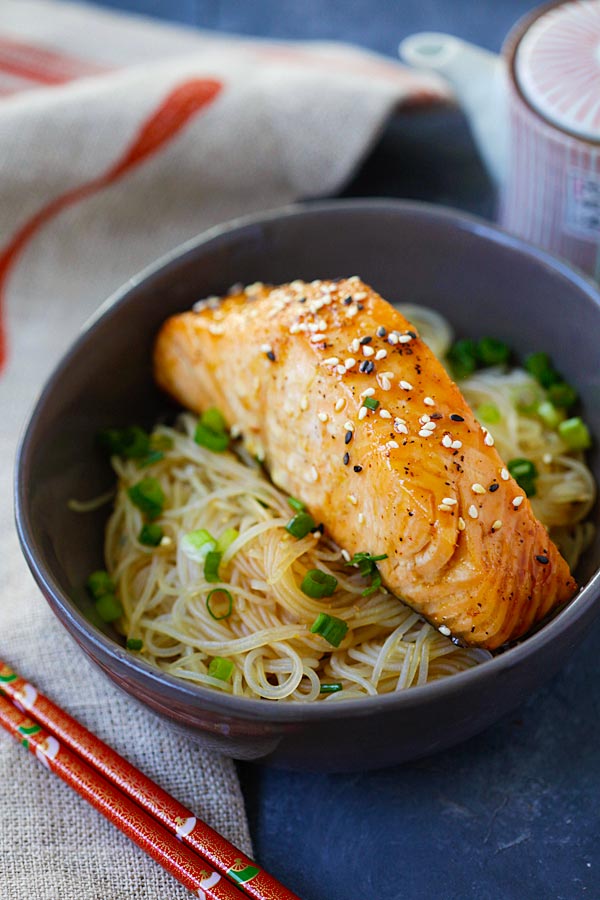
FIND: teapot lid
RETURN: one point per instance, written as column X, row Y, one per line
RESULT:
column 557, row 67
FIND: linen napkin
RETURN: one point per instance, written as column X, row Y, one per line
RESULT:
column 120, row 138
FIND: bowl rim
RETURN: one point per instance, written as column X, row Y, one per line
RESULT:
column 245, row 707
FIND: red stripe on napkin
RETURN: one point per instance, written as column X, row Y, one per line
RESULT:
column 43, row 66
column 159, row 128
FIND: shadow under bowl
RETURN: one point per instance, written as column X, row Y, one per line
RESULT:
column 482, row 280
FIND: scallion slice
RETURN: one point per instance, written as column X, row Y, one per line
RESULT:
column 331, row 628
column 148, row 496
column 219, row 603
column 100, row 583
column 562, row 394
column 220, row 668
column 549, row 414
column 196, row 544
column 213, row 419
column 217, row 441
column 134, row 644
column 371, row 403
column 130, row 443
column 109, row 608
column 150, row 459
column 298, row 505
column 331, row 687
column 318, row 584
column 300, row 525
column 463, row 357
column 488, row 413
column 225, row 541
column 525, row 472
column 492, row 352
column 151, row 534
column 575, row 434
column 212, row 562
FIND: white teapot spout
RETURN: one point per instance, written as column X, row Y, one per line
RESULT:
column 479, row 81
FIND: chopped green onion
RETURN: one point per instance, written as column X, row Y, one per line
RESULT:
column 528, row 398
column 220, row 668
column 196, row 544
column 217, row 441
column 213, row 603
column 134, row 643
column 562, row 394
column 212, row 562
column 100, row 583
column 225, row 541
column 151, row 534
column 575, row 434
column 150, row 459
column 300, row 525
column 213, row 418
column 160, row 441
column 540, row 366
column 370, row 403
column 331, row 687
column 366, row 564
column 463, row 357
column 492, row 352
column 130, row 443
column 488, row 413
column 331, row 628
column 148, row 496
column 549, row 414
column 109, row 608
column 524, row 472
column 298, row 505
column 318, row 584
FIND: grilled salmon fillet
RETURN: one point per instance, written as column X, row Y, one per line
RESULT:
column 412, row 474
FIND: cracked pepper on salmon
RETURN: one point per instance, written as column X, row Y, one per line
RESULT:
column 352, row 413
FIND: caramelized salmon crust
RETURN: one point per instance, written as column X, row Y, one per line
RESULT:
column 352, row 413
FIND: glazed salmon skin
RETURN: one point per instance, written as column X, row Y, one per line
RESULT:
column 411, row 474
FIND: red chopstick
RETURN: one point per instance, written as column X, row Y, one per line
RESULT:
column 95, row 762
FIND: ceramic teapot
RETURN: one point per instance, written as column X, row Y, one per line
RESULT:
column 535, row 115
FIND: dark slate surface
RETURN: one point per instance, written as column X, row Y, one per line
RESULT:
column 513, row 814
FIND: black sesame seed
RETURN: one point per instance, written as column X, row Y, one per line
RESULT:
column 360, row 307
column 493, row 487
column 543, row 560
column 366, row 367
column 347, row 437
column 366, row 340
column 413, row 334
column 346, row 458
column 301, row 299
column 347, row 301
column 381, row 331
column 436, row 416
column 358, row 468
column 456, row 418
column 271, row 356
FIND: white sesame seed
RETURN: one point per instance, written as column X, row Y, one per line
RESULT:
column 314, row 475
column 341, row 370
column 517, row 501
column 392, row 338
column 322, row 416
column 478, row 488
column 345, row 555
column 381, row 354
column 449, row 501
column 385, row 414
column 351, row 312
column 461, row 524
column 425, row 433
column 447, row 440
column 266, row 348
column 473, row 512
column 384, row 383
column 443, row 629
column 235, row 430
column 367, row 351
column 360, row 296
column 504, row 474
column 166, row 541
column 315, row 338
column 400, row 426
column 444, row 507
column 368, row 392
column 339, row 403
column 430, row 426
column 352, row 499
column 406, row 386
column 392, row 445
column 404, row 338
column 354, row 346
column 547, row 458
column 361, row 518
column 497, row 525
column 456, row 445
column 428, row 401
column 388, row 374
column 349, row 362
column 304, row 403
column 331, row 361
column 362, row 413
column 424, row 419
column 488, row 440
column 349, row 426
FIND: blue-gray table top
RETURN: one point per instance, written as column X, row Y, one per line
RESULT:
column 513, row 814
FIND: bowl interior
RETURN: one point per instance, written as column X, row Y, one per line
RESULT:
column 484, row 282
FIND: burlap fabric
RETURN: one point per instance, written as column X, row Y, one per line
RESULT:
column 120, row 138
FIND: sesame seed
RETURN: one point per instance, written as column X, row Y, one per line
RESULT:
column 504, row 474
column 368, row 351
column 393, row 445
column 311, row 474
column 444, row 507
column 456, row 445
column 346, row 458
column 443, row 629
column 166, row 541
column 385, row 414
column 331, row 361
column 447, row 440
column 349, row 426
column 497, row 525
column 428, row 401
column 347, row 301
column 366, row 340
column 392, row 338
column 357, row 468
column 322, row 416
column 381, row 332
column 424, row 419
column 345, row 555
column 362, row 413
column 265, row 348
column 488, row 440
column 478, row 488
column 384, row 383
column 351, row 311
column 341, row 370
column 355, row 346
column 405, row 338
column 315, row 338
column 547, row 458
column 517, row 501
column 381, row 354
column 456, row 418
column 304, row 403
column 449, row 501
column 542, row 559
column 339, row 403
column 461, row 524
column 473, row 512
column 366, row 367
column 360, row 296
column 424, row 433
column 361, row 518
column 400, row 426
column 406, row 386
column 493, row 487
column 352, row 499
column 349, row 362
column 430, row 426
column 347, row 437
column 368, row 392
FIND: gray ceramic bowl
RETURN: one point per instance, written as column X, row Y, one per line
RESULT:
column 484, row 281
